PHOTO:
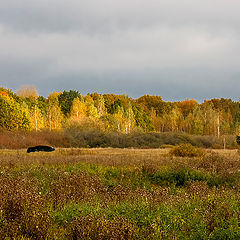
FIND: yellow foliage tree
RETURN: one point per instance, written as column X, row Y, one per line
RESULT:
column 100, row 104
column 120, row 120
column 155, row 120
column 79, row 108
column 36, row 118
column 54, row 115
column 12, row 115
column 27, row 92
column 91, row 109
column 130, row 120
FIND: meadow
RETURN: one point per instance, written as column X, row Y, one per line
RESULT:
column 106, row 193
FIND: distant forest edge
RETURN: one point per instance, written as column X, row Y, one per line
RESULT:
column 107, row 114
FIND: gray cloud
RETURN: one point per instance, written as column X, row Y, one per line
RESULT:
column 175, row 49
column 60, row 15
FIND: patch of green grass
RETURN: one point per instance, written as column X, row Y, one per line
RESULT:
column 179, row 177
column 65, row 214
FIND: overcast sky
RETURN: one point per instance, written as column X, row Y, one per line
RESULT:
column 172, row 48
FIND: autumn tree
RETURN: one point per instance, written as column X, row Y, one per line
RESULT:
column 12, row 116
column 79, row 108
column 153, row 102
column 36, row 117
column 109, row 100
column 115, row 106
column 156, row 120
column 91, row 109
column 129, row 119
column 27, row 92
column 142, row 120
column 119, row 116
column 42, row 104
column 100, row 105
column 173, row 120
column 187, row 106
column 30, row 96
column 196, row 121
column 54, row 113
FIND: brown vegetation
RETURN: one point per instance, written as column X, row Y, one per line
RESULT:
column 93, row 138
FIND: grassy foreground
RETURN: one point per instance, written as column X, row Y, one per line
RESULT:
column 119, row 194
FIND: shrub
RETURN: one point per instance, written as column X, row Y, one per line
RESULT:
column 166, row 146
column 79, row 136
column 186, row 150
column 217, row 146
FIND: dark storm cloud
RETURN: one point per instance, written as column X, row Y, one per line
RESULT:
column 175, row 49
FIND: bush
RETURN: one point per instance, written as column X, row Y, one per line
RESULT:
column 77, row 136
column 166, row 146
column 217, row 146
column 186, row 150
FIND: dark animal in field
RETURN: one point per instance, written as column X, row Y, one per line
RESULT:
column 238, row 140
column 40, row 149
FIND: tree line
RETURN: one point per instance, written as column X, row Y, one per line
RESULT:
column 26, row 110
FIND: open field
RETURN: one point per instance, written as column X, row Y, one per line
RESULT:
column 107, row 193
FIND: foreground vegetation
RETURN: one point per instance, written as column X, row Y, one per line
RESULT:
column 119, row 194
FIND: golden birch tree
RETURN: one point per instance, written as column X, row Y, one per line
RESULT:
column 54, row 113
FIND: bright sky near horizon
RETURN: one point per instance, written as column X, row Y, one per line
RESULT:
column 175, row 49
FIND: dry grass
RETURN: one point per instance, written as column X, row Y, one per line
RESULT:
column 119, row 194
